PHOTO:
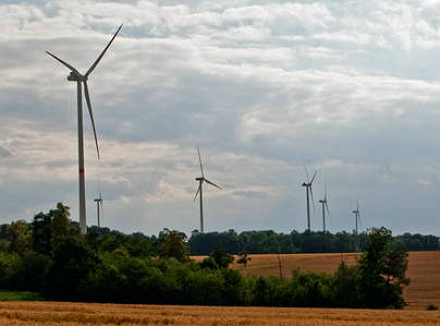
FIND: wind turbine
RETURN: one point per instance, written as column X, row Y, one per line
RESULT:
column 98, row 208
column 324, row 204
column 76, row 76
column 308, row 186
column 357, row 217
column 202, row 179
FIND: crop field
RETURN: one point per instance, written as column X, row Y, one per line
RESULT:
column 63, row 313
column 423, row 270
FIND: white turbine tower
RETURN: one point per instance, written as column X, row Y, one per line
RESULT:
column 357, row 217
column 324, row 204
column 98, row 208
column 199, row 192
column 309, row 190
column 77, row 77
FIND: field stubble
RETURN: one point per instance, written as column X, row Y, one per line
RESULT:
column 63, row 313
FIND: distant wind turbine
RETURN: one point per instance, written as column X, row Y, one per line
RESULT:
column 199, row 190
column 98, row 208
column 357, row 217
column 77, row 77
column 324, row 204
column 309, row 190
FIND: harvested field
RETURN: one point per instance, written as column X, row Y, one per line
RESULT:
column 59, row 313
column 423, row 270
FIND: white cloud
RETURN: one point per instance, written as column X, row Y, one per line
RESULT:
column 262, row 87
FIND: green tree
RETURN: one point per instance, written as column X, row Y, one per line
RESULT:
column 72, row 261
column 382, row 269
column 221, row 258
column 20, row 237
column 243, row 258
column 172, row 245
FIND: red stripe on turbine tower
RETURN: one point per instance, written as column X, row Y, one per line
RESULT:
column 81, row 171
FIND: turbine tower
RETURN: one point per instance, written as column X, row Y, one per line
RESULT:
column 324, row 204
column 308, row 186
column 98, row 208
column 357, row 217
column 77, row 77
column 199, row 192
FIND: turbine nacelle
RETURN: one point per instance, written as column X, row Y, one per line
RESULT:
column 200, row 179
column 75, row 77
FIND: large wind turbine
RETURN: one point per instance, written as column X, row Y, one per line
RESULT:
column 98, row 208
column 77, row 77
column 357, row 217
column 199, row 190
column 308, row 186
column 324, row 204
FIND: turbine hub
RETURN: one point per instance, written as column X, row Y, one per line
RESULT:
column 75, row 77
column 199, row 179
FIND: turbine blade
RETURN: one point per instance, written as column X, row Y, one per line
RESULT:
column 325, row 192
column 307, row 175
column 64, row 63
column 200, row 161
column 213, row 184
column 198, row 190
column 311, row 194
column 328, row 211
column 102, row 54
column 313, row 178
column 89, row 105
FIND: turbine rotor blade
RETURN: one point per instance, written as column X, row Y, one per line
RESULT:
column 64, row 63
column 213, row 184
column 328, row 211
column 198, row 190
column 200, row 162
column 102, row 53
column 307, row 175
column 311, row 194
column 313, row 178
column 89, row 106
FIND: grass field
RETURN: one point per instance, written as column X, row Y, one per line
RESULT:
column 19, row 296
column 423, row 270
column 72, row 314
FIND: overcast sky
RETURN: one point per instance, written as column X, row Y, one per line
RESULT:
column 348, row 88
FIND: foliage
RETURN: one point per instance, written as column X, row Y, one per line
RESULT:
column 219, row 258
column 382, row 270
column 243, row 258
column 51, row 257
column 19, row 296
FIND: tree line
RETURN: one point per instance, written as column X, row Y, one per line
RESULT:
column 49, row 256
column 269, row 242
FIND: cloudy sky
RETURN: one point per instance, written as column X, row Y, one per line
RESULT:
column 348, row 88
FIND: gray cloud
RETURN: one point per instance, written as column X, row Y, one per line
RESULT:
column 261, row 87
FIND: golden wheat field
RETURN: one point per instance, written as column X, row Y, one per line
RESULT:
column 72, row 314
column 423, row 270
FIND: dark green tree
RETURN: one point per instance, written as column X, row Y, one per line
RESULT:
column 382, row 269
column 221, row 258
column 20, row 237
column 243, row 258
column 172, row 245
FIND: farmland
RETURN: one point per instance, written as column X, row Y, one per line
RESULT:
column 59, row 313
column 423, row 270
